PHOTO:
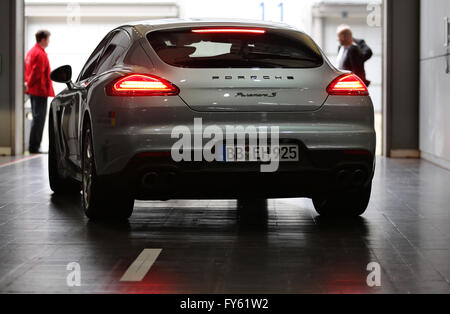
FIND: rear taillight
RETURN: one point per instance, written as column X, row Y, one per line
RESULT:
column 348, row 85
column 141, row 85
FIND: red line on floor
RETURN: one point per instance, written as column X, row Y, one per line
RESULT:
column 19, row 161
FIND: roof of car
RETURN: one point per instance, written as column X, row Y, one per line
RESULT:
column 145, row 26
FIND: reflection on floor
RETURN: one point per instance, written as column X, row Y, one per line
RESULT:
column 216, row 247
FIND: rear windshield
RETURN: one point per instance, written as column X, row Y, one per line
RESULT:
column 188, row 48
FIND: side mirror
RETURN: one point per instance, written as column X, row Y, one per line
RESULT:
column 62, row 75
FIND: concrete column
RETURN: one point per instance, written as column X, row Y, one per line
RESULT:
column 11, row 77
column 18, row 79
column 401, row 75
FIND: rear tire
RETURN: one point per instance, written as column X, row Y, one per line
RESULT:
column 252, row 204
column 344, row 204
column 99, row 200
column 252, row 213
column 58, row 184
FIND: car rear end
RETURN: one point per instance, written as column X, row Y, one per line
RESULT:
column 242, row 75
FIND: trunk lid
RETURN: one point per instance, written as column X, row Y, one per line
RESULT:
column 253, row 90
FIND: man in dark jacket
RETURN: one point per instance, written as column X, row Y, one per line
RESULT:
column 38, row 86
column 353, row 53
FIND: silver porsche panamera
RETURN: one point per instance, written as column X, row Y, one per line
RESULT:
column 115, row 131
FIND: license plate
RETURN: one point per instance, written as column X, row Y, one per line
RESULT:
column 284, row 153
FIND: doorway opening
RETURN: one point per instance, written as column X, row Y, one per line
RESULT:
column 365, row 19
column 78, row 27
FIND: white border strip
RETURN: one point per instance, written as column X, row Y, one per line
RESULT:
column 140, row 267
column 436, row 160
column 18, row 161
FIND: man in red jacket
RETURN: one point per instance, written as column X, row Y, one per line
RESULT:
column 38, row 86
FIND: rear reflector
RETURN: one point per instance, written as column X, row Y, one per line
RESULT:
column 230, row 30
column 357, row 152
column 348, row 85
column 154, row 154
column 142, row 85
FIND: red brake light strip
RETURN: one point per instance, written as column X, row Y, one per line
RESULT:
column 230, row 30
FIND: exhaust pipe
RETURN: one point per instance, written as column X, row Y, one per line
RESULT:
column 167, row 179
column 358, row 177
column 152, row 179
column 347, row 177
column 343, row 177
column 149, row 179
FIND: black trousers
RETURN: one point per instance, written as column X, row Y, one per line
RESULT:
column 39, row 111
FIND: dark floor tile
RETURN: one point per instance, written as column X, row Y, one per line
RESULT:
column 213, row 247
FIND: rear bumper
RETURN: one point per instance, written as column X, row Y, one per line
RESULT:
column 318, row 172
column 146, row 125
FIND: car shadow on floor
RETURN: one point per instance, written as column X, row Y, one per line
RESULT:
column 252, row 247
column 247, row 218
column 248, row 215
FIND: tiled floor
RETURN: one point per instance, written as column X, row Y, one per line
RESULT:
column 212, row 247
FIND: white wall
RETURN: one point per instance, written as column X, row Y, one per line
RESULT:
column 296, row 12
column 435, row 84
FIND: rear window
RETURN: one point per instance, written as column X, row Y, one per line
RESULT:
column 225, row 48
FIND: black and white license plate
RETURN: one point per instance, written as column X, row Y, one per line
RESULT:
column 283, row 153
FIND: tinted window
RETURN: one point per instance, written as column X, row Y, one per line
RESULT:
column 273, row 49
column 114, row 51
column 91, row 64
